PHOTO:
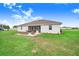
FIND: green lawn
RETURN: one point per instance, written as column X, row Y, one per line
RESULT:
column 66, row 44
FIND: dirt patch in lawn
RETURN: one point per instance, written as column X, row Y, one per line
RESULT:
column 42, row 41
column 48, row 45
column 45, row 44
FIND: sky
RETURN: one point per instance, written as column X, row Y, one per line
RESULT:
column 18, row 13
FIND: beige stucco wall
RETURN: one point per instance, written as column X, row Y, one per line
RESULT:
column 24, row 28
column 44, row 29
column 55, row 29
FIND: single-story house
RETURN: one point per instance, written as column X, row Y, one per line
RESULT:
column 42, row 26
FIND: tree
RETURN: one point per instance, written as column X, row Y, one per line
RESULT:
column 14, row 26
column 5, row 26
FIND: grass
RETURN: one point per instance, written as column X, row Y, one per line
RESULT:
column 66, row 44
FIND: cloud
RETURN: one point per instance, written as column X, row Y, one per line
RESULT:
column 20, row 6
column 37, row 18
column 28, row 13
column 27, row 17
column 22, row 19
column 16, row 16
column 6, row 22
column 20, row 16
column 18, row 19
column 9, row 5
column 76, row 11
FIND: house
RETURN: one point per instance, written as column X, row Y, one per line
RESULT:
column 42, row 26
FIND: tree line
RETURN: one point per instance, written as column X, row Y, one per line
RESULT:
column 5, row 27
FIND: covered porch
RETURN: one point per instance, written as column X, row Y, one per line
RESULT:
column 33, row 29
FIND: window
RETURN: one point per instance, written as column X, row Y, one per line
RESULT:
column 50, row 27
column 21, row 27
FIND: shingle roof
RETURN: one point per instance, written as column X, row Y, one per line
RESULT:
column 42, row 22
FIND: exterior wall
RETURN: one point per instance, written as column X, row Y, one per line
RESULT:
column 44, row 29
column 24, row 29
column 55, row 29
